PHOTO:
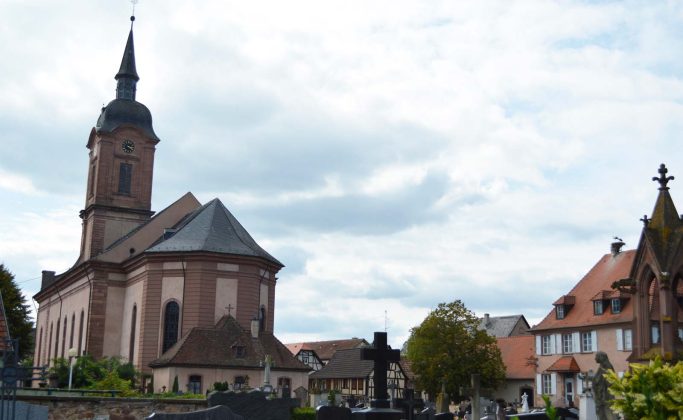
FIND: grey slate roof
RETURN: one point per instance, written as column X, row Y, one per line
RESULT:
column 501, row 326
column 345, row 364
column 212, row 228
column 120, row 112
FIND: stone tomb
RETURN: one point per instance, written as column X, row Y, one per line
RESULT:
column 254, row 405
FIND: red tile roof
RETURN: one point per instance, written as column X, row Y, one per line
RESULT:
column 518, row 356
column 564, row 364
column 597, row 282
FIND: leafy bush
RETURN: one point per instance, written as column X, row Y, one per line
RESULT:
column 653, row 391
column 112, row 381
column 220, row 386
column 303, row 413
column 87, row 371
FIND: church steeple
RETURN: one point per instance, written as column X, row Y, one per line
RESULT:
column 127, row 77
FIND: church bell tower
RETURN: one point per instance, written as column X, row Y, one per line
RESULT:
column 121, row 162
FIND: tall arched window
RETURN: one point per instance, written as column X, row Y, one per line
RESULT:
column 262, row 319
column 40, row 344
column 71, row 337
column 64, row 336
column 57, row 340
column 80, row 333
column 133, row 319
column 171, row 319
column 49, row 344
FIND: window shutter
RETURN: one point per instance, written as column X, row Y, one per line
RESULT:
column 620, row 339
column 551, row 339
column 558, row 343
column 539, row 349
column 579, row 386
column 539, row 384
column 594, row 341
column 553, row 383
column 576, row 342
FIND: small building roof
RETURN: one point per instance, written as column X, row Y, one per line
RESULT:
column 345, row 364
column 212, row 228
column 596, row 283
column 518, row 356
column 326, row 349
column 216, row 347
column 565, row 364
column 501, row 326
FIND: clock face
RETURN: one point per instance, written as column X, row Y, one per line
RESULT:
column 128, row 146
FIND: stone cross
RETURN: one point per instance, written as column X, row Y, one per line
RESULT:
column 663, row 179
column 382, row 356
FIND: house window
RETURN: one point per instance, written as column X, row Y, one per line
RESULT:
column 195, row 384
column 559, row 311
column 284, row 382
column 586, row 342
column 240, row 352
column 597, row 307
column 40, row 344
column 171, row 320
column 547, row 384
column 125, row 174
column 567, row 345
column 680, row 334
column 80, row 333
column 239, row 382
column 64, row 335
column 616, row 306
column 71, row 337
column 546, row 348
column 654, row 333
column 57, row 341
column 628, row 340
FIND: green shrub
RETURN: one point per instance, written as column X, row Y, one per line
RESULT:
column 220, row 386
column 175, row 384
column 653, row 391
column 303, row 413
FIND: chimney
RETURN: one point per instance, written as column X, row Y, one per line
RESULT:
column 487, row 321
column 48, row 278
column 254, row 328
column 616, row 246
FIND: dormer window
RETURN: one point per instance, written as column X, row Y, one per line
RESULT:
column 559, row 311
column 616, row 306
column 240, row 352
column 598, row 307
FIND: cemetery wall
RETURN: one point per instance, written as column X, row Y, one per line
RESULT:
column 61, row 407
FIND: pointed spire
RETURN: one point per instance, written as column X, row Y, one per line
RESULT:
column 664, row 213
column 127, row 76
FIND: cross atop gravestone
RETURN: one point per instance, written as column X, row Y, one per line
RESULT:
column 381, row 355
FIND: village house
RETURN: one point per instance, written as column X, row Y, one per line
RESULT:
column 629, row 305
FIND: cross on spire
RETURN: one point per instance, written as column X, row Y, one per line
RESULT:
column 663, row 179
column 645, row 220
column 229, row 308
column 381, row 354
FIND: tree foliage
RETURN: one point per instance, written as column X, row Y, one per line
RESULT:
column 653, row 391
column 448, row 347
column 88, row 372
column 17, row 311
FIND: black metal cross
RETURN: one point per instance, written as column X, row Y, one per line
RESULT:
column 382, row 355
column 662, row 179
column 229, row 308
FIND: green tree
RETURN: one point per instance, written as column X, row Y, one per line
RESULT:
column 17, row 311
column 652, row 391
column 447, row 347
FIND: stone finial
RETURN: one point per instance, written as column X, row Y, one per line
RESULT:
column 663, row 179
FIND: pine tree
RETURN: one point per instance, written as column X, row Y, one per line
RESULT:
column 17, row 311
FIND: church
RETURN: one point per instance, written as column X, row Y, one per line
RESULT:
column 185, row 292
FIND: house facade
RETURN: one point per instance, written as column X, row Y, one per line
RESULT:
column 628, row 306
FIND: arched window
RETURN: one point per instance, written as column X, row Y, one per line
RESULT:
column 171, row 319
column 131, row 351
column 57, row 340
column 40, row 344
column 71, row 337
column 64, row 336
column 262, row 319
column 80, row 334
column 49, row 344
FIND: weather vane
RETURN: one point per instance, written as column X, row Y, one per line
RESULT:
column 132, row 15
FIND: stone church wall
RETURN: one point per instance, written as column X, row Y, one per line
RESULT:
column 63, row 408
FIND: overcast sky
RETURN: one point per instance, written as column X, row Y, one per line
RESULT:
column 392, row 154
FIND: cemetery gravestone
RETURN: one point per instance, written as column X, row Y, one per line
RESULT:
column 254, row 405
column 328, row 412
column 427, row 414
column 220, row 412
column 381, row 355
